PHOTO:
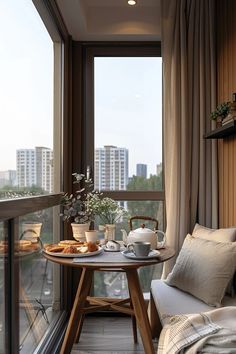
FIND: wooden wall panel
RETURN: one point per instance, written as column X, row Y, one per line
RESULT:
column 226, row 85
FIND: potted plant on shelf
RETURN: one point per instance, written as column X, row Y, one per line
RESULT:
column 109, row 212
column 76, row 206
column 220, row 113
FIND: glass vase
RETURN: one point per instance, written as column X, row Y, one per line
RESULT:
column 110, row 231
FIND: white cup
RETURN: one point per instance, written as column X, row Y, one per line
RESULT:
column 91, row 236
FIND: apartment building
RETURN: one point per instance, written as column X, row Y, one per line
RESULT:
column 7, row 178
column 25, row 167
column 34, row 167
column 141, row 170
column 111, row 168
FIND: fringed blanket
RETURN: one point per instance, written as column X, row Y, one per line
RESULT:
column 209, row 332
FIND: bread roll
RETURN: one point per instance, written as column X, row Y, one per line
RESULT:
column 70, row 249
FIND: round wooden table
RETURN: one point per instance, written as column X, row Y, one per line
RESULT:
column 82, row 298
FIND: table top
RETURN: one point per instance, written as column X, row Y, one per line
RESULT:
column 165, row 254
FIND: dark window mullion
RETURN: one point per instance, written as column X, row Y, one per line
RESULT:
column 12, row 290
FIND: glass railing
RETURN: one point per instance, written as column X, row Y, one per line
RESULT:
column 29, row 284
column 3, row 260
column 37, row 278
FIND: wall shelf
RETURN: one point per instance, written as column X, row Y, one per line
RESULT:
column 222, row 132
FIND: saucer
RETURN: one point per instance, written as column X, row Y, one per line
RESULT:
column 131, row 255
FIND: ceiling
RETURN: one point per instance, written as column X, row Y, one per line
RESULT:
column 111, row 20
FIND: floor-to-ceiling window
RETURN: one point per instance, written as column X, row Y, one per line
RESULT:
column 123, row 145
column 30, row 172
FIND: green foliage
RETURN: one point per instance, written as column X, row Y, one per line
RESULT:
column 146, row 208
column 222, row 110
column 145, row 184
column 10, row 192
column 76, row 206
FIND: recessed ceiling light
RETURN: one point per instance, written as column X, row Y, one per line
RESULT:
column 132, row 2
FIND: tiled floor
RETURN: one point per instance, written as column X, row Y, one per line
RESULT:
column 108, row 335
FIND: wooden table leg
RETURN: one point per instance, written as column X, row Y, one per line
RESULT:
column 134, row 324
column 140, row 310
column 76, row 315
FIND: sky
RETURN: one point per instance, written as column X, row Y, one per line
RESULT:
column 128, row 108
column 128, row 93
column 26, row 81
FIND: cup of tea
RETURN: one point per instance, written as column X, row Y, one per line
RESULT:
column 91, row 236
column 139, row 248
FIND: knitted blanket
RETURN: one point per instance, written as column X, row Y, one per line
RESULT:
column 209, row 332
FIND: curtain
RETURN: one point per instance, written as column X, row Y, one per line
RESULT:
column 189, row 89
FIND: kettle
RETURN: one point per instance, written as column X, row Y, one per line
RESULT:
column 144, row 234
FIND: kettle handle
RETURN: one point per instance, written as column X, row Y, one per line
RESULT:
column 138, row 217
column 161, row 244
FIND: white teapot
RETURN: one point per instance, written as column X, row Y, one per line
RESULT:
column 144, row 234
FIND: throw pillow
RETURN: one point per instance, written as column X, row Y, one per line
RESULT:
column 220, row 235
column 204, row 269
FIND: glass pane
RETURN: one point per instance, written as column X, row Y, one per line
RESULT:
column 26, row 95
column 115, row 284
column 3, row 250
column 128, row 123
column 39, row 287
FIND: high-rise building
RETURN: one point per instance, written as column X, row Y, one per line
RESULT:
column 141, row 170
column 35, row 167
column 25, row 167
column 7, row 178
column 159, row 168
column 111, row 168
column 44, row 168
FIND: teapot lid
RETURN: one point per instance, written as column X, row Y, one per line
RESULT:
column 143, row 229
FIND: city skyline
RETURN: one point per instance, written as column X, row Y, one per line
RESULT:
column 97, row 148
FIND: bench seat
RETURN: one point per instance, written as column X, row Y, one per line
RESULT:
column 166, row 301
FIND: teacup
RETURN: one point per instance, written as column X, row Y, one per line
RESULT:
column 140, row 249
column 91, row 236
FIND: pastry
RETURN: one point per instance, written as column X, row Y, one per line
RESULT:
column 3, row 249
column 92, row 247
column 23, row 246
column 68, row 243
column 70, row 249
column 55, row 248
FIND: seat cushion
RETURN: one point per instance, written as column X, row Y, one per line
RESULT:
column 171, row 301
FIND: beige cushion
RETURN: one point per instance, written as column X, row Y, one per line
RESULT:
column 220, row 235
column 171, row 301
column 204, row 268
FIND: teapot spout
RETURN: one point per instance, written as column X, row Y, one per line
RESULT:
column 124, row 235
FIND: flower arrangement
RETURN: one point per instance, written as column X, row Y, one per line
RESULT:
column 82, row 206
column 107, row 209
column 76, row 206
